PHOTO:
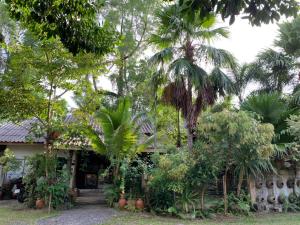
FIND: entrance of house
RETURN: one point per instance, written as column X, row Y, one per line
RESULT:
column 90, row 166
column 89, row 181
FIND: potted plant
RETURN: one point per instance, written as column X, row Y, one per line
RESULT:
column 139, row 204
column 40, row 203
column 41, row 189
column 122, row 201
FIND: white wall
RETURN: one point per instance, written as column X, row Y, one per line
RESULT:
column 22, row 151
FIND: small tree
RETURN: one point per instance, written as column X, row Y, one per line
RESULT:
column 33, row 87
column 120, row 137
column 204, row 171
column 8, row 162
column 235, row 139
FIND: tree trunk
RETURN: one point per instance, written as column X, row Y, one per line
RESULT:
column 240, row 182
column 178, row 129
column 190, row 138
column 73, row 170
column 252, row 189
column 202, row 197
column 225, row 192
column 155, row 120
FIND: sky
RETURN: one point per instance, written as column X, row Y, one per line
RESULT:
column 245, row 42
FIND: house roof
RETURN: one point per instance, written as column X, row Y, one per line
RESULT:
column 20, row 133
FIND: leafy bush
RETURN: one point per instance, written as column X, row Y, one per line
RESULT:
column 38, row 186
column 9, row 162
column 111, row 194
column 168, row 181
column 236, row 205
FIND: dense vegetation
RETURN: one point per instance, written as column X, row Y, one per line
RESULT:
column 165, row 71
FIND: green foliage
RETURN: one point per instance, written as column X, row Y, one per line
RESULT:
column 167, row 131
column 289, row 37
column 219, row 131
column 172, row 169
column 121, row 139
column 251, row 10
column 294, row 126
column 9, row 162
column 190, row 88
column 168, row 184
column 111, row 194
column 120, row 132
column 74, row 23
column 37, row 74
column 186, row 201
column 134, row 175
column 206, row 168
column 236, row 205
column 37, row 185
column 271, row 108
column 273, row 70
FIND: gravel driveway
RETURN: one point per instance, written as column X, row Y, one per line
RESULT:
column 82, row 215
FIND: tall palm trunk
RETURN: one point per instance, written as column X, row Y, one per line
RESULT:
column 240, row 182
column 178, row 129
column 190, row 112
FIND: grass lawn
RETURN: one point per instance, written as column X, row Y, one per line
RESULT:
column 147, row 219
column 16, row 213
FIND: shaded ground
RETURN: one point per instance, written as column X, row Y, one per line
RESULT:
column 13, row 213
column 148, row 219
column 83, row 215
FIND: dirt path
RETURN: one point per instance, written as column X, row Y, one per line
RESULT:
column 81, row 215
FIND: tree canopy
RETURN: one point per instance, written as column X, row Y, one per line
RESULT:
column 257, row 12
column 77, row 24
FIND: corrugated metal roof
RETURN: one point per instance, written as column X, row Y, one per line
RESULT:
column 18, row 133
column 14, row 133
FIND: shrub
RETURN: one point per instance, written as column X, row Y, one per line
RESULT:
column 111, row 194
column 38, row 186
column 236, row 205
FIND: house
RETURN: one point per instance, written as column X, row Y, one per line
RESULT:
column 85, row 165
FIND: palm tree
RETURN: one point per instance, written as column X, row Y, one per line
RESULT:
column 119, row 139
column 271, row 108
column 289, row 37
column 186, row 45
column 242, row 78
column 272, row 70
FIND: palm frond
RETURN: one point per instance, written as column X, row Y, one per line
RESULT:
column 163, row 56
column 212, row 34
column 218, row 57
column 161, row 41
column 221, row 82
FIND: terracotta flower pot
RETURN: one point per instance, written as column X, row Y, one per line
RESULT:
column 122, row 202
column 139, row 204
column 40, row 203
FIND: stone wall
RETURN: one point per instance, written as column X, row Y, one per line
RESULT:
column 269, row 193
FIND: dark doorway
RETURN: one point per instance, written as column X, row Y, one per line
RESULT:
column 90, row 165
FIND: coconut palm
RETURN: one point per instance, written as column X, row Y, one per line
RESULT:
column 118, row 137
column 186, row 47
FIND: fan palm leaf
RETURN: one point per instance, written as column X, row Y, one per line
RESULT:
column 218, row 57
